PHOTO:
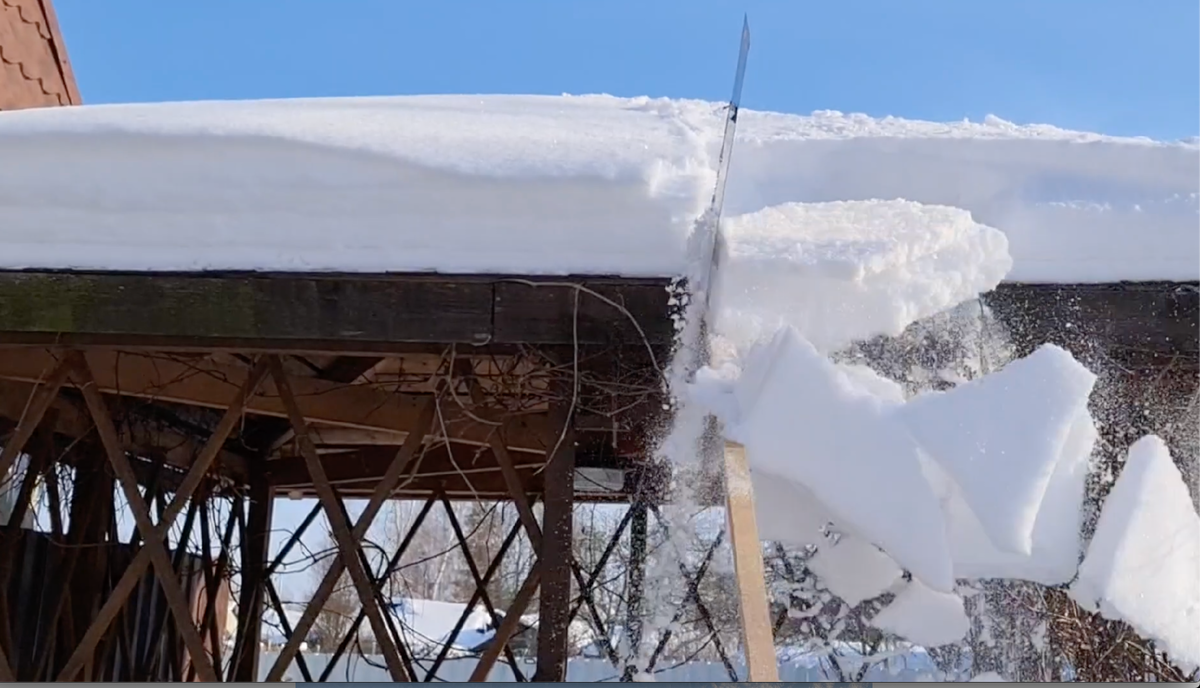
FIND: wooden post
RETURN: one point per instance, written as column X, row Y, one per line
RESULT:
column 255, row 552
column 758, row 641
column 555, row 555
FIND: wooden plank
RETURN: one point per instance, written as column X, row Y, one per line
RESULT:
column 209, row 384
column 247, row 306
column 757, row 637
column 1154, row 319
column 608, row 313
column 355, row 309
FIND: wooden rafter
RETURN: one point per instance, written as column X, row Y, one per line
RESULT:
column 209, row 384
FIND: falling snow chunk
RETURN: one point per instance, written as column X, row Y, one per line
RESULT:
column 923, row 616
column 1056, row 540
column 846, row 271
column 860, row 462
column 1143, row 563
column 853, row 569
column 1001, row 437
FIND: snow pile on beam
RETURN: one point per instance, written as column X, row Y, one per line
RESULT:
column 552, row 185
column 1143, row 563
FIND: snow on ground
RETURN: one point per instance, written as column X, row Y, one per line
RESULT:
column 532, row 184
column 1000, row 438
column 923, row 616
column 1143, row 563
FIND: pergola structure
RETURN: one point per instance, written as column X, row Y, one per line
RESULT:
column 182, row 390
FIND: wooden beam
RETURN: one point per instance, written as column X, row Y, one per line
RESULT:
column 332, row 308
column 1138, row 320
column 556, row 556
column 209, row 384
column 757, row 637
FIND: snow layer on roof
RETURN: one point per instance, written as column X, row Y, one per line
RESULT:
column 1143, row 563
column 550, row 185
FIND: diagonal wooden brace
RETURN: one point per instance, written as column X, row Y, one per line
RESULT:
column 167, row 578
column 344, row 535
column 43, row 397
column 195, row 476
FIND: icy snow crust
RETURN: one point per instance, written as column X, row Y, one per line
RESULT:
column 552, row 185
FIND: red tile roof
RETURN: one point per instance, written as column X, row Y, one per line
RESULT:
column 34, row 70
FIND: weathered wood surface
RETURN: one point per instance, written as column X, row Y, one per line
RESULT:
column 1135, row 322
column 340, row 313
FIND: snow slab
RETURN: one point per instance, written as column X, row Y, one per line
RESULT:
column 848, row 566
column 924, row 616
column 846, row 271
column 553, row 185
column 1057, row 541
column 1143, row 563
column 1000, row 438
column 860, row 462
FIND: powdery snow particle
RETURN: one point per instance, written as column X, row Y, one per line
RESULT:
column 802, row 419
column 1143, row 563
column 924, row 617
column 1000, row 438
column 988, row 677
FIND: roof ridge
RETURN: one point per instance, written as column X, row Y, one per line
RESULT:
column 43, row 31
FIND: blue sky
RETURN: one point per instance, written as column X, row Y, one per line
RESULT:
column 1127, row 67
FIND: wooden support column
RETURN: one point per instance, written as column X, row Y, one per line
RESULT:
column 758, row 641
column 255, row 550
column 638, row 530
column 556, row 556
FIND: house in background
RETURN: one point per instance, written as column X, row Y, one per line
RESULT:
column 34, row 69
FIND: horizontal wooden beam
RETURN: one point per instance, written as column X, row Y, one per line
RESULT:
column 1138, row 321
column 334, row 312
column 202, row 382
